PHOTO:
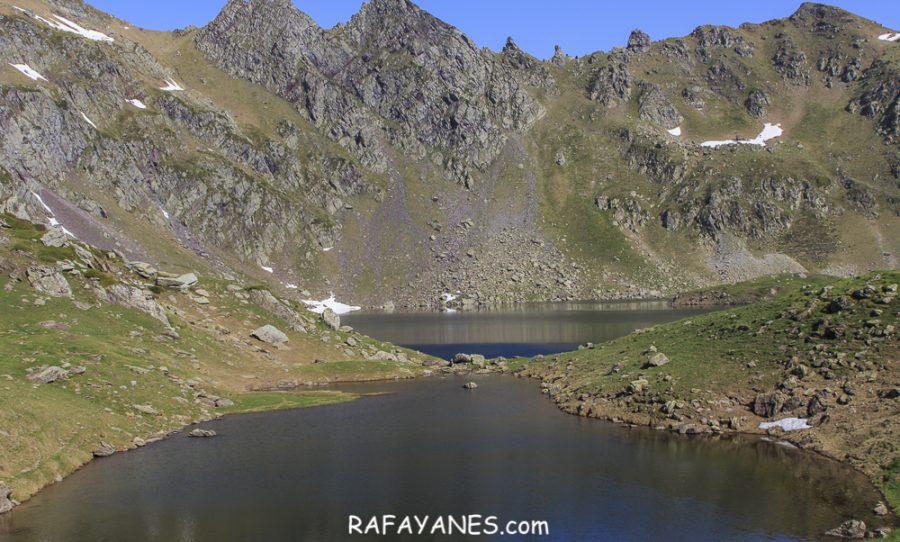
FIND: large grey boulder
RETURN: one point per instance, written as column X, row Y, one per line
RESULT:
column 266, row 300
column 143, row 269
column 55, row 237
column 269, row 334
column 331, row 319
column 136, row 298
column 852, row 528
column 48, row 280
column 104, row 450
column 768, row 404
column 181, row 282
column 49, row 375
column 6, row 503
column 657, row 360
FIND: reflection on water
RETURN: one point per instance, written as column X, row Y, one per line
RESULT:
column 525, row 329
column 433, row 448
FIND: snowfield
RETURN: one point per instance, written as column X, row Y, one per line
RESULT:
column 330, row 303
column 675, row 131
column 65, row 25
column 171, row 86
column 29, row 72
column 895, row 36
column 137, row 103
column 787, row 424
column 769, row 131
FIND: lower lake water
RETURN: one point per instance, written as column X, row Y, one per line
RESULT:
column 431, row 448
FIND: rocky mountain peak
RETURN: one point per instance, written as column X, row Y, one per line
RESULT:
column 252, row 33
column 639, row 41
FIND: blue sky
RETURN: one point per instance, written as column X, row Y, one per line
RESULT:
column 579, row 26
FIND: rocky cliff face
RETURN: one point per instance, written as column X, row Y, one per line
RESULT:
column 389, row 158
column 394, row 75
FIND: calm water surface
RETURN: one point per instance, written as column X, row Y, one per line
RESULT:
column 520, row 330
column 430, row 447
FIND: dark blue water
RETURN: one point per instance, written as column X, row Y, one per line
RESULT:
column 432, row 448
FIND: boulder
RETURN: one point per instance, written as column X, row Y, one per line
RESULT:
column 202, row 433
column 470, row 385
column 637, row 386
column 136, row 298
column 181, row 282
column 143, row 269
column 48, row 280
column 331, row 319
column 48, row 375
column 657, row 360
column 381, row 355
column 639, row 41
column 222, row 403
column 767, row 405
column 6, row 503
column 146, row 409
column 852, row 528
column 269, row 334
column 55, row 237
column 880, row 509
column 104, row 450
column 475, row 359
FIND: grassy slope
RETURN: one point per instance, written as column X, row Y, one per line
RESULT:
column 721, row 360
column 48, row 431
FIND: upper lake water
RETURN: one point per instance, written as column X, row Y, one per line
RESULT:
column 429, row 447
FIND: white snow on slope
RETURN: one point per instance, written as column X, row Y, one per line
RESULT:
column 769, row 131
column 448, row 297
column 171, row 86
column 164, row 212
column 87, row 120
column 137, row 103
column 65, row 25
column 787, row 424
column 267, row 269
column 675, row 131
column 330, row 303
column 28, row 72
column 890, row 36
column 327, row 249
column 52, row 218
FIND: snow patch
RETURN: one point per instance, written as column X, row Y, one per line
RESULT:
column 52, row 218
column 87, row 120
column 448, row 297
column 267, row 269
column 327, row 249
column 65, row 25
column 290, row 286
column 787, row 424
column 171, row 86
column 164, row 212
column 330, row 303
column 769, row 131
column 137, row 103
column 675, row 131
column 890, row 36
column 28, row 72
